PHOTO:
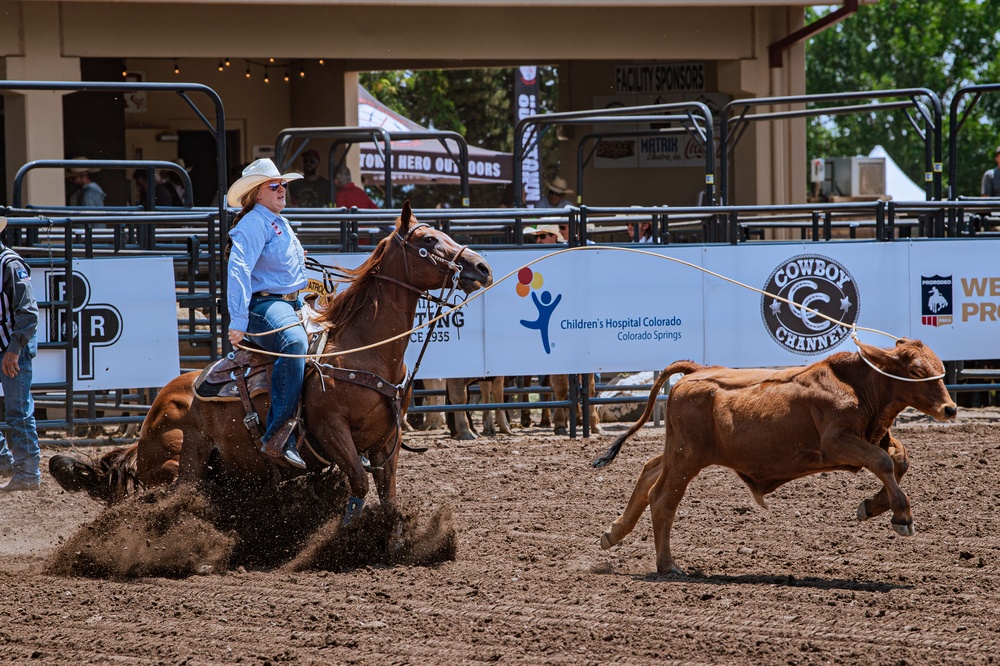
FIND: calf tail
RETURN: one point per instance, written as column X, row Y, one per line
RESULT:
column 684, row 367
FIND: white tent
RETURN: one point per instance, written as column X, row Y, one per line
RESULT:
column 897, row 184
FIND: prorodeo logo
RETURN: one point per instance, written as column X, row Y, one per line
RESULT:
column 814, row 282
column 936, row 300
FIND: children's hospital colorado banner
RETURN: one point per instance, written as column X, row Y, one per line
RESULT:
column 124, row 323
column 607, row 309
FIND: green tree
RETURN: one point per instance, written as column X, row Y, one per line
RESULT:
column 941, row 45
column 476, row 103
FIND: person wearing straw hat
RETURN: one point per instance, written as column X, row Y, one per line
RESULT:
column 90, row 193
column 266, row 270
column 18, row 345
column 556, row 194
column 545, row 234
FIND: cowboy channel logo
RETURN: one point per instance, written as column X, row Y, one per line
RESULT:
column 806, row 285
column 936, row 300
column 528, row 283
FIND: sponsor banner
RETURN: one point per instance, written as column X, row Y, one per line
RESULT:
column 592, row 311
column 850, row 282
column 669, row 150
column 955, row 289
column 607, row 310
column 124, row 329
column 527, row 104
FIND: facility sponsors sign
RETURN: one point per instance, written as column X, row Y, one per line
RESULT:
column 660, row 77
column 661, row 150
column 124, row 323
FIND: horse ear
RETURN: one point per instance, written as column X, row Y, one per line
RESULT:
column 405, row 217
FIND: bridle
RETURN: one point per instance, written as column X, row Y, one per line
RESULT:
column 449, row 268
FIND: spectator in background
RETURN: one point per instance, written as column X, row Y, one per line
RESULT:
column 645, row 232
column 991, row 179
column 89, row 192
column 555, row 194
column 545, row 234
column 18, row 344
column 174, row 183
column 312, row 190
column 349, row 194
column 141, row 179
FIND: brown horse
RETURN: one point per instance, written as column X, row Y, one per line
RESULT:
column 347, row 405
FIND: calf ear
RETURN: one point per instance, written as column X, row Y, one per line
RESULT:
column 883, row 358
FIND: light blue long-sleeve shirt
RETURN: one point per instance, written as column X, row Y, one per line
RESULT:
column 266, row 256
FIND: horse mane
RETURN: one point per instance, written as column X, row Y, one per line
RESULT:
column 363, row 289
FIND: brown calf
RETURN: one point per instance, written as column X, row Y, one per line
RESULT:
column 773, row 426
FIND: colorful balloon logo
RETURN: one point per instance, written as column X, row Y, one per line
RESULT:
column 528, row 280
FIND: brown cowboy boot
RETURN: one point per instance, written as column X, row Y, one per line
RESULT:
column 281, row 446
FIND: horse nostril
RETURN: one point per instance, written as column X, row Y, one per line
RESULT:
column 950, row 412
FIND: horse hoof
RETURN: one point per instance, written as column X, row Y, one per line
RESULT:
column 670, row 570
column 904, row 530
column 606, row 541
column 862, row 513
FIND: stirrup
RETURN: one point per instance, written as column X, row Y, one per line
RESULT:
column 275, row 447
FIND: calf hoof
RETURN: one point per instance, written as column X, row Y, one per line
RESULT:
column 606, row 541
column 904, row 530
column 560, row 430
column 862, row 512
column 670, row 569
column 467, row 436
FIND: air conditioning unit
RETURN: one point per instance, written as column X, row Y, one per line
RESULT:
column 854, row 177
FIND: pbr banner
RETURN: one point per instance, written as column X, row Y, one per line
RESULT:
column 123, row 324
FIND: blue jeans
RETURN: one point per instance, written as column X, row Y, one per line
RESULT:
column 266, row 314
column 19, row 408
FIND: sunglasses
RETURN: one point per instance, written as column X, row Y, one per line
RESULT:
column 274, row 186
column 546, row 235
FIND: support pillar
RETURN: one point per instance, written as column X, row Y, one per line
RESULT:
column 34, row 119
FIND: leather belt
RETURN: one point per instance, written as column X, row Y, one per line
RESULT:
column 285, row 297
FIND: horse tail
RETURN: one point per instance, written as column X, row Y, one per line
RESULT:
column 683, row 367
column 110, row 478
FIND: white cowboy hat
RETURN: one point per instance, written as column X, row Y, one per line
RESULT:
column 3, row 223
column 559, row 185
column 79, row 171
column 545, row 229
column 180, row 162
column 257, row 172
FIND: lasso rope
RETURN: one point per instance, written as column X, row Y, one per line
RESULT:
column 854, row 327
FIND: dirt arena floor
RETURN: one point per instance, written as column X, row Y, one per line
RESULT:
column 515, row 574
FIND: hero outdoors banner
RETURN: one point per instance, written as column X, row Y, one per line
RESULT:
column 124, row 323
